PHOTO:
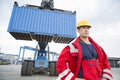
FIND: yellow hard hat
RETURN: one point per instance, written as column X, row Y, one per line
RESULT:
column 83, row 23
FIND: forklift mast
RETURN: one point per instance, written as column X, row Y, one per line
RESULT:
column 42, row 45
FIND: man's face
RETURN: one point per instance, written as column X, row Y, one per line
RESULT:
column 84, row 31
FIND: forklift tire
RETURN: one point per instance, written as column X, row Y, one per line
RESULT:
column 24, row 69
column 56, row 74
column 52, row 69
column 30, row 69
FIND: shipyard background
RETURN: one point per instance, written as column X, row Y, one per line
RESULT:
column 103, row 15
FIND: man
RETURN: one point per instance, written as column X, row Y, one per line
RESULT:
column 84, row 59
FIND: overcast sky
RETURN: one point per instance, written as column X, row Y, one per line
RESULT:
column 104, row 16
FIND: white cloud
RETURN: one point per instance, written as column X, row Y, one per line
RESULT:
column 84, row 8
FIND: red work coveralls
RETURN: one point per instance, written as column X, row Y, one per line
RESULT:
column 70, row 60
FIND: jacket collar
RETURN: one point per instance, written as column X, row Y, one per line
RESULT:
column 78, row 40
column 77, row 43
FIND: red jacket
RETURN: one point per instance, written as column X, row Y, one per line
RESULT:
column 69, row 61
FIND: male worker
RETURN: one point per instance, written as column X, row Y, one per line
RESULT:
column 84, row 59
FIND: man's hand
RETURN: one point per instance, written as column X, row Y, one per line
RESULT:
column 103, row 79
column 79, row 79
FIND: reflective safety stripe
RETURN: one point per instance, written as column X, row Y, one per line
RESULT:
column 107, row 71
column 65, row 72
column 69, row 76
column 107, row 76
column 72, row 48
column 58, row 78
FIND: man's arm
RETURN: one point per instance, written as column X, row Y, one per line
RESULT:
column 62, row 66
column 106, row 67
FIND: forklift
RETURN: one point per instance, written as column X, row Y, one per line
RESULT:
column 44, row 24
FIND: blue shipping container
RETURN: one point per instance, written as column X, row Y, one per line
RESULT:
column 42, row 25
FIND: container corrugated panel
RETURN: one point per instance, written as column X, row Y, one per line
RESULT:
column 42, row 25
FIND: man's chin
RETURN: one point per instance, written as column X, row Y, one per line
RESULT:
column 85, row 36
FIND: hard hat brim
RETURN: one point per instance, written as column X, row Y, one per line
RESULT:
column 83, row 26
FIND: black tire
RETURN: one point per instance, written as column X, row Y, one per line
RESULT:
column 56, row 74
column 52, row 69
column 24, row 69
column 30, row 69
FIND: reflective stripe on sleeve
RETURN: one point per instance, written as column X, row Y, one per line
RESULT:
column 69, row 76
column 62, row 74
column 107, row 76
column 58, row 78
column 107, row 71
column 72, row 48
